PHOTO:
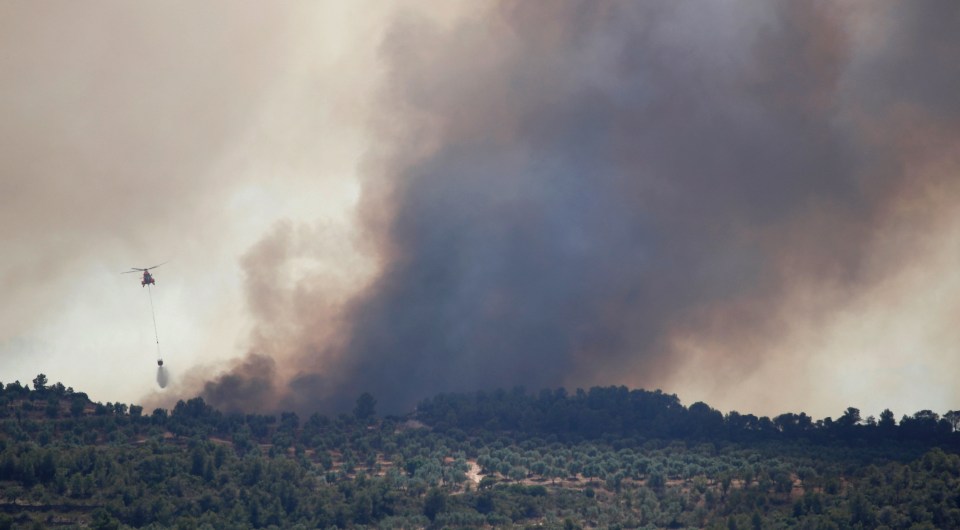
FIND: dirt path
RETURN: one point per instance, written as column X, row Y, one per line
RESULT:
column 474, row 472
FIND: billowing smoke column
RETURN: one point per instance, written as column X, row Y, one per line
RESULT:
column 569, row 190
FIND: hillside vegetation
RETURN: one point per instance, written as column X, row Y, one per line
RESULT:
column 602, row 458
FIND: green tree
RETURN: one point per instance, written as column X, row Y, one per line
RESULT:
column 436, row 502
column 102, row 520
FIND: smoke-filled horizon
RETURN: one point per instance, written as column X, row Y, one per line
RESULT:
column 581, row 193
column 752, row 204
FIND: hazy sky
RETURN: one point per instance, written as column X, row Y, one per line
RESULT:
column 749, row 203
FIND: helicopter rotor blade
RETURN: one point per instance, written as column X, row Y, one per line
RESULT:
column 138, row 269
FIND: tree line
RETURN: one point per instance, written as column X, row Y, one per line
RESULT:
column 603, row 457
column 618, row 411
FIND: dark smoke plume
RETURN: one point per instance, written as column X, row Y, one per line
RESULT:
column 570, row 190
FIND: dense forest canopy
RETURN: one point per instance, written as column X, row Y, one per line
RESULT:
column 603, row 457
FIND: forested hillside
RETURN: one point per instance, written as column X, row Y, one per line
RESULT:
column 601, row 458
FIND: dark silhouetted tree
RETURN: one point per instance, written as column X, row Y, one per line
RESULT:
column 366, row 408
column 887, row 420
column 954, row 418
column 40, row 383
column 850, row 417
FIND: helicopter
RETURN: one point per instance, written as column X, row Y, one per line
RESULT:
column 147, row 277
